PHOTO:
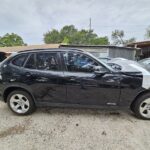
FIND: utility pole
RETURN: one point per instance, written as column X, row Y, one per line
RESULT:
column 90, row 25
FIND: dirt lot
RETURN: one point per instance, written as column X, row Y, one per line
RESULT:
column 73, row 129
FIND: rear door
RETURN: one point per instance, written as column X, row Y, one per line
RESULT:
column 44, row 75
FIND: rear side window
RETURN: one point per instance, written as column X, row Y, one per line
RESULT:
column 31, row 64
column 19, row 60
column 47, row 61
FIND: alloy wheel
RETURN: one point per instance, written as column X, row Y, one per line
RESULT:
column 145, row 108
column 19, row 103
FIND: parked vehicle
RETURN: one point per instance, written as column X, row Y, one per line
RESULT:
column 145, row 63
column 71, row 78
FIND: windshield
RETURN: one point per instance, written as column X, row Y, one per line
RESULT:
column 103, row 63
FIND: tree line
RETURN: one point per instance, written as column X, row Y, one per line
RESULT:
column 69, row 34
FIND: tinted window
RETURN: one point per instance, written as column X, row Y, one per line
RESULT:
column 78, row 62
column 47, row 61
column 2, row 56
column 31, row 62
column 19, row 60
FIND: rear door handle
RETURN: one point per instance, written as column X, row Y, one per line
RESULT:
column 72, row 78
column 27, row 74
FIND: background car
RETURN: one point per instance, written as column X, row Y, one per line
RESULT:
column 146, row 63
column 104, row 59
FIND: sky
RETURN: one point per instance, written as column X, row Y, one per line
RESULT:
column 32, row 18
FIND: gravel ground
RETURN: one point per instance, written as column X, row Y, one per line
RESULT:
column 73, row 129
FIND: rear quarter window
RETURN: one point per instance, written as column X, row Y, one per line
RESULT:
column 19, row 60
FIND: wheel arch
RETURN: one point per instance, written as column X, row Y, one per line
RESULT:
column 8, row 90
column 138, row 96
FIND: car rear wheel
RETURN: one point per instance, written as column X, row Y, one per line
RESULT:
column 141, row 107
column 20, row 102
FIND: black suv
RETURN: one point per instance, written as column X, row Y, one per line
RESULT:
column 70, row 77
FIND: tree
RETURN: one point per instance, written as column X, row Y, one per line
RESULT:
column 11, row 40
column 52, row 37
column 100, row 41
column 147, row 32
column 131, row 40
column 65, row 40
column 118, row 38
column 70, row 35
column 68, row 31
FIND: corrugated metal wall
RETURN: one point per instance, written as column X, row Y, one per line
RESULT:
column 124, row 53
column 146, row 52
column 113, row 52
column 110, row 52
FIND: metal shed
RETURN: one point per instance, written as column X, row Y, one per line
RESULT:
column 145, row 48
column 108, row 51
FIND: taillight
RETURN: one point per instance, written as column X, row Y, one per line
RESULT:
column 0, row 76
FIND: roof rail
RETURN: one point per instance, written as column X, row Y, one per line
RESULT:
column 73, row 49
column 28, row 50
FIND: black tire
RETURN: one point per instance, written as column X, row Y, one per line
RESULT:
column 31, row 107
column 135, row 107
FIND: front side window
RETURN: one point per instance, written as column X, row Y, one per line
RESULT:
column 47, row 61
column 19, row 60
column 78, row 62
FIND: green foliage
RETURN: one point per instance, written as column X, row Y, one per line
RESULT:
column 65, row 41
column 11, row 40
column 118, row 38
column 100, row 41
column 147, row 32
column 71, row 35
column 52, row 37
column 68, row 31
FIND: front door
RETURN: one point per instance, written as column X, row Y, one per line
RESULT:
column 86, row 87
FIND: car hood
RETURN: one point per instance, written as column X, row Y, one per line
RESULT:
column 133, row 68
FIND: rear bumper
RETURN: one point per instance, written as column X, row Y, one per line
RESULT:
column 1, row 98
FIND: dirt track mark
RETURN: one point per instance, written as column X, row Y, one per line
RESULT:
column 17, row 129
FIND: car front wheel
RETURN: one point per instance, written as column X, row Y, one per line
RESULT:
column 20, row 102
column 141, row 107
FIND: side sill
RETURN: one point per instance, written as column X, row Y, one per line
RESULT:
column 64, row 105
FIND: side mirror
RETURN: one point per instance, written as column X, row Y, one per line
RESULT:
column 115, row 66
column 99, row 70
